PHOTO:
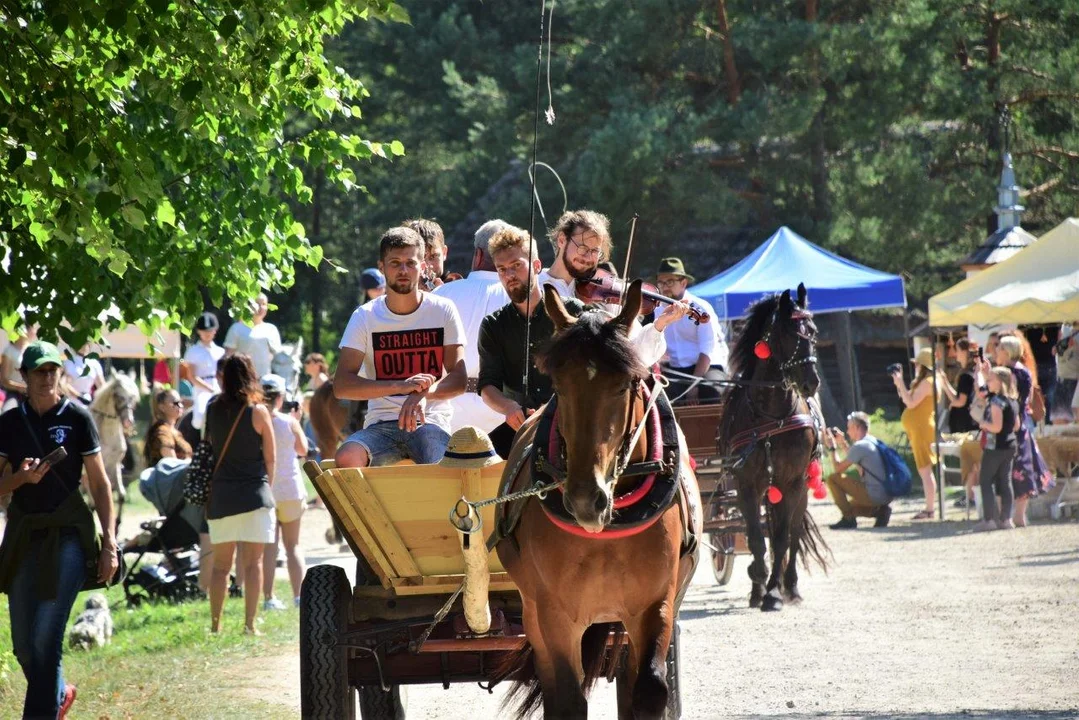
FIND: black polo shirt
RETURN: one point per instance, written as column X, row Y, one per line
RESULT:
column 68, row 424
column 501, row 346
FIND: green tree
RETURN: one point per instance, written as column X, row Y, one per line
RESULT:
column 153, row 150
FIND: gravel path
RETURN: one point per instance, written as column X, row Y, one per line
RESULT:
column 913, row 621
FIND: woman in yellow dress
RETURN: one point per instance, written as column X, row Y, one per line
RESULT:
column 918, row 422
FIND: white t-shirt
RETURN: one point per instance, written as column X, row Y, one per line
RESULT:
column 14, row 354
column 649, row 342
column 396, row 347
column 475, row 297
column 287, row 484
column 203, row 362
column 686, row 339
column 261, row 342
column 83, row 383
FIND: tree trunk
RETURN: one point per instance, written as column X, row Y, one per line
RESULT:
column 734, row 85
column 993, row 141
column 818, row 152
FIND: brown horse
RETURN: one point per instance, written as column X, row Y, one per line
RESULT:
column 769, row 429
column 329, row 419
column 579, row 587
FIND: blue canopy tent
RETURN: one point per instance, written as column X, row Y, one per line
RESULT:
column 834, row 284
column 786, row 259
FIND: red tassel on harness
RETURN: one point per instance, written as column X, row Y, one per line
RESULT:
column 819, row 492
column 774, row 494
column 761, row 350
column 814, row 473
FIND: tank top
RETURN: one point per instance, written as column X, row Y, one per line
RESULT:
column 1009, row 409
column 287, row 484
column 240, row 484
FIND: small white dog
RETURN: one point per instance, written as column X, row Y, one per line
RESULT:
column 93, row 626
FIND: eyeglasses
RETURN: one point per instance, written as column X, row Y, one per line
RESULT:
column 177, row 403
column 582, row 249
column 668, row 281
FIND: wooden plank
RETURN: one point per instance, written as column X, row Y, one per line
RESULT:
column 374, row 515
column 330, row 486
column 433, row 585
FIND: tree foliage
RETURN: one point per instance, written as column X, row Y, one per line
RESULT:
column 151, row 150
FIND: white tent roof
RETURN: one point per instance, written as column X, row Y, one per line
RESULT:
column 1037, row 285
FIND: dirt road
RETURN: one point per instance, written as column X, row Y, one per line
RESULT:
column 913, row 621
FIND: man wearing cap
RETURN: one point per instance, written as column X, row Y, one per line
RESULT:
column 692, row 349
column 409, row 346
column 203, row 357
column 373, row 283
column 476, row 297
column 51, row 547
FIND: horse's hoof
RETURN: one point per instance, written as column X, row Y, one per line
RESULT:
column 771, row 604
column 794, row 598
column 755, row 600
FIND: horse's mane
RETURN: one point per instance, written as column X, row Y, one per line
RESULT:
column 592, row 340
column 742, row 358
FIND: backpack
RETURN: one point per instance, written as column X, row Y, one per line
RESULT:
column 897, row 478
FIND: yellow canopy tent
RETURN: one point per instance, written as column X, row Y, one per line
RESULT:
column 1038, row 285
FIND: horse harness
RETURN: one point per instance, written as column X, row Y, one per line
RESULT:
column 635, row 510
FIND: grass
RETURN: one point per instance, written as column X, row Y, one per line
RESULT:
column 163, row 662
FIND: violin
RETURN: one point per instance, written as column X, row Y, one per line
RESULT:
column 604, row 287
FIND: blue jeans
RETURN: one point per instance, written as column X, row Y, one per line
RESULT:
column 37, row 626
column 386, row 443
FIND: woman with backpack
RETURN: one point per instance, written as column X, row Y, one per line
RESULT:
column 920, row 401
column 1000, row 424
column 240, row 511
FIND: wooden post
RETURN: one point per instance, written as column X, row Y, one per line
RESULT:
column 845, row 354
column 477, row 572
column 936, row 429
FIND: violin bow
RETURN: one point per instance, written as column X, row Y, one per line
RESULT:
column 629, row 254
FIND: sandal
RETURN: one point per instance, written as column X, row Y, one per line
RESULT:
column 924, row 515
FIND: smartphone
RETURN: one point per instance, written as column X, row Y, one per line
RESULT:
column 56, row 456
column 981, row 355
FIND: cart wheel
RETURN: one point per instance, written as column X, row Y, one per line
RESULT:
column 375, row 704
column 325, row 599
column 722, row 557
column 674, row 676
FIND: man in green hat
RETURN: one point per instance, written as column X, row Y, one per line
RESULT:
column 51, row 548
column 692, row 349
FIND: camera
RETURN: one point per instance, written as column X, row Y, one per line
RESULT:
column 894, row 368
column 290, row 406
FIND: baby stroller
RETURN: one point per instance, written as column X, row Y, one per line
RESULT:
column 174, row 535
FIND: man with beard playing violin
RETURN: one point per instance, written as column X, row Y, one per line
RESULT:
column 582, row 240
column 502, row 336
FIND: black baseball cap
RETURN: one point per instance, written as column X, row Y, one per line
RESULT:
column 207, row 321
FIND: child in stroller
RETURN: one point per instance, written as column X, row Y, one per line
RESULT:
column 173, row 535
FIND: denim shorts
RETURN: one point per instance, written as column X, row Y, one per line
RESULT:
column 387, row 444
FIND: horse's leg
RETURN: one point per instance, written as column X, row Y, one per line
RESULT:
column 780, row 540
column 650, row 632
column 556, row 644
column 625, row 682
column 790, row 575
column 758, row 571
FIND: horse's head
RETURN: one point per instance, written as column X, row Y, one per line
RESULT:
column 596, row 372
column 118, row 398
column 288, row 364
column 785, row 327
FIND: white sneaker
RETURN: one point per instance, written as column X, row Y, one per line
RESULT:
column 273, row 604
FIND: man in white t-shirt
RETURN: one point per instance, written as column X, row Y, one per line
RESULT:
column 260, row 340
column 84, row 375
column 476, row 297
column 203, row 357
column 582, row 239
column 410, row 347
column 692, row 349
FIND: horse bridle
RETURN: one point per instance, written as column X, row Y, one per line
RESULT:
column 803, row 350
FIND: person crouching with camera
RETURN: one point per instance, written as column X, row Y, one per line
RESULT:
column 860, row 494
column 51, row 549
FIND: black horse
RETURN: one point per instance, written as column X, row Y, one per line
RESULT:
column 770, row 435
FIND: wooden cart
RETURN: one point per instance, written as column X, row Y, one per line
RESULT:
column 722, row 516
column 368, row 637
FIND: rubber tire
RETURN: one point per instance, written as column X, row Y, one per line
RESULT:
column 378, row 705
column 325, row 600
column 674, row 675
column 722, row 563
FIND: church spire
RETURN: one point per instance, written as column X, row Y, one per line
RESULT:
column 1008, row 209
